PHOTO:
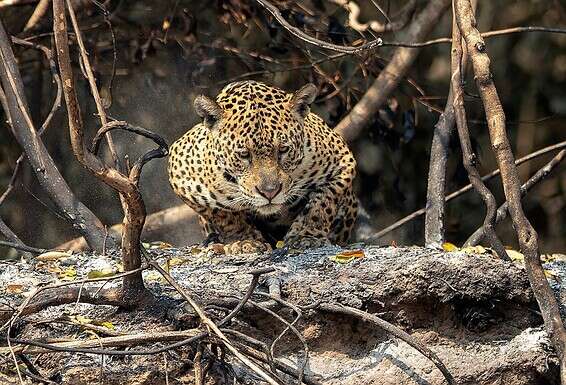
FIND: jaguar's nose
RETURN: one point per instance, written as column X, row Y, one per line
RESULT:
column 269, row 190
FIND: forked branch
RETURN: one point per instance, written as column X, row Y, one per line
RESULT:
column 469, row 158
column 126, row 185
column 527, row 235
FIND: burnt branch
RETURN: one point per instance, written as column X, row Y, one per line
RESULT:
column 526, row 234
column 49, row 177
column 468, row 157
column 127, row 186
column 461, row 191
column 297, row 32
column 351, row 126
column 502, row 211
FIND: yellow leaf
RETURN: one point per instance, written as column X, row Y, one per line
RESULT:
column 107, row 325
column 474, row 249
column 14, row 288
column 447, row 246
column 176, row 261
column 69, row 274
column 347, row 256
column 106, row 272
column 279, row 244
column 52, row 256
column 515, row 255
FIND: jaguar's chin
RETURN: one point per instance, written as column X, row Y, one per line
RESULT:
column 269, row 209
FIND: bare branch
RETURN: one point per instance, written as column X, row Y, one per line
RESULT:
column 49, row 177
column 436, row 187
column 133, row 205
column 457, row 193
column 502, row 211
column 363, row 112
column 17, row 243
column 527, row 235
column 107, row 342
column 312, row 40
column 468, row 156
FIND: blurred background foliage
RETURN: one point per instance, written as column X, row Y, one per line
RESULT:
column 158, row 55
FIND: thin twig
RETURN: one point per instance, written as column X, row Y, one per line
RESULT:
column 394, row 331
column 289, row 326
column 23, row 247
column 415, row 214
column 273, row 10
column 91, row 346
column 502, row 211
column 210, row 324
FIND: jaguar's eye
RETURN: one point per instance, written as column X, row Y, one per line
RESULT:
column 243, row 154
column 284, row 149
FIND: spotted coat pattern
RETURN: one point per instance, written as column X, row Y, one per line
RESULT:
column 261, row 167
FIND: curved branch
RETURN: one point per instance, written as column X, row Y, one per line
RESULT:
column 132, row 202
column 363, row 112
column 49, row 177
column 526, row 234
column 312, row 40
column 394, row 331
column 502, row 211
column 457, row 193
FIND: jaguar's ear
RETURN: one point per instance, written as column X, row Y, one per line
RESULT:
column 208, row 110
column 302, row 99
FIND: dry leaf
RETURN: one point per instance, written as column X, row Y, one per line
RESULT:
column 474, row 249
column 447, row 246
column 14, row 288
column 69, row 274
column 52, row 256
column 515, row 255
column 347, row 256
column 107, row 272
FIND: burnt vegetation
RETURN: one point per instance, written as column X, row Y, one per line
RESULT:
column 92, row 92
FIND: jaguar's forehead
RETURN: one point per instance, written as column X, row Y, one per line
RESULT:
column 256, row 113
column 249, row 90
